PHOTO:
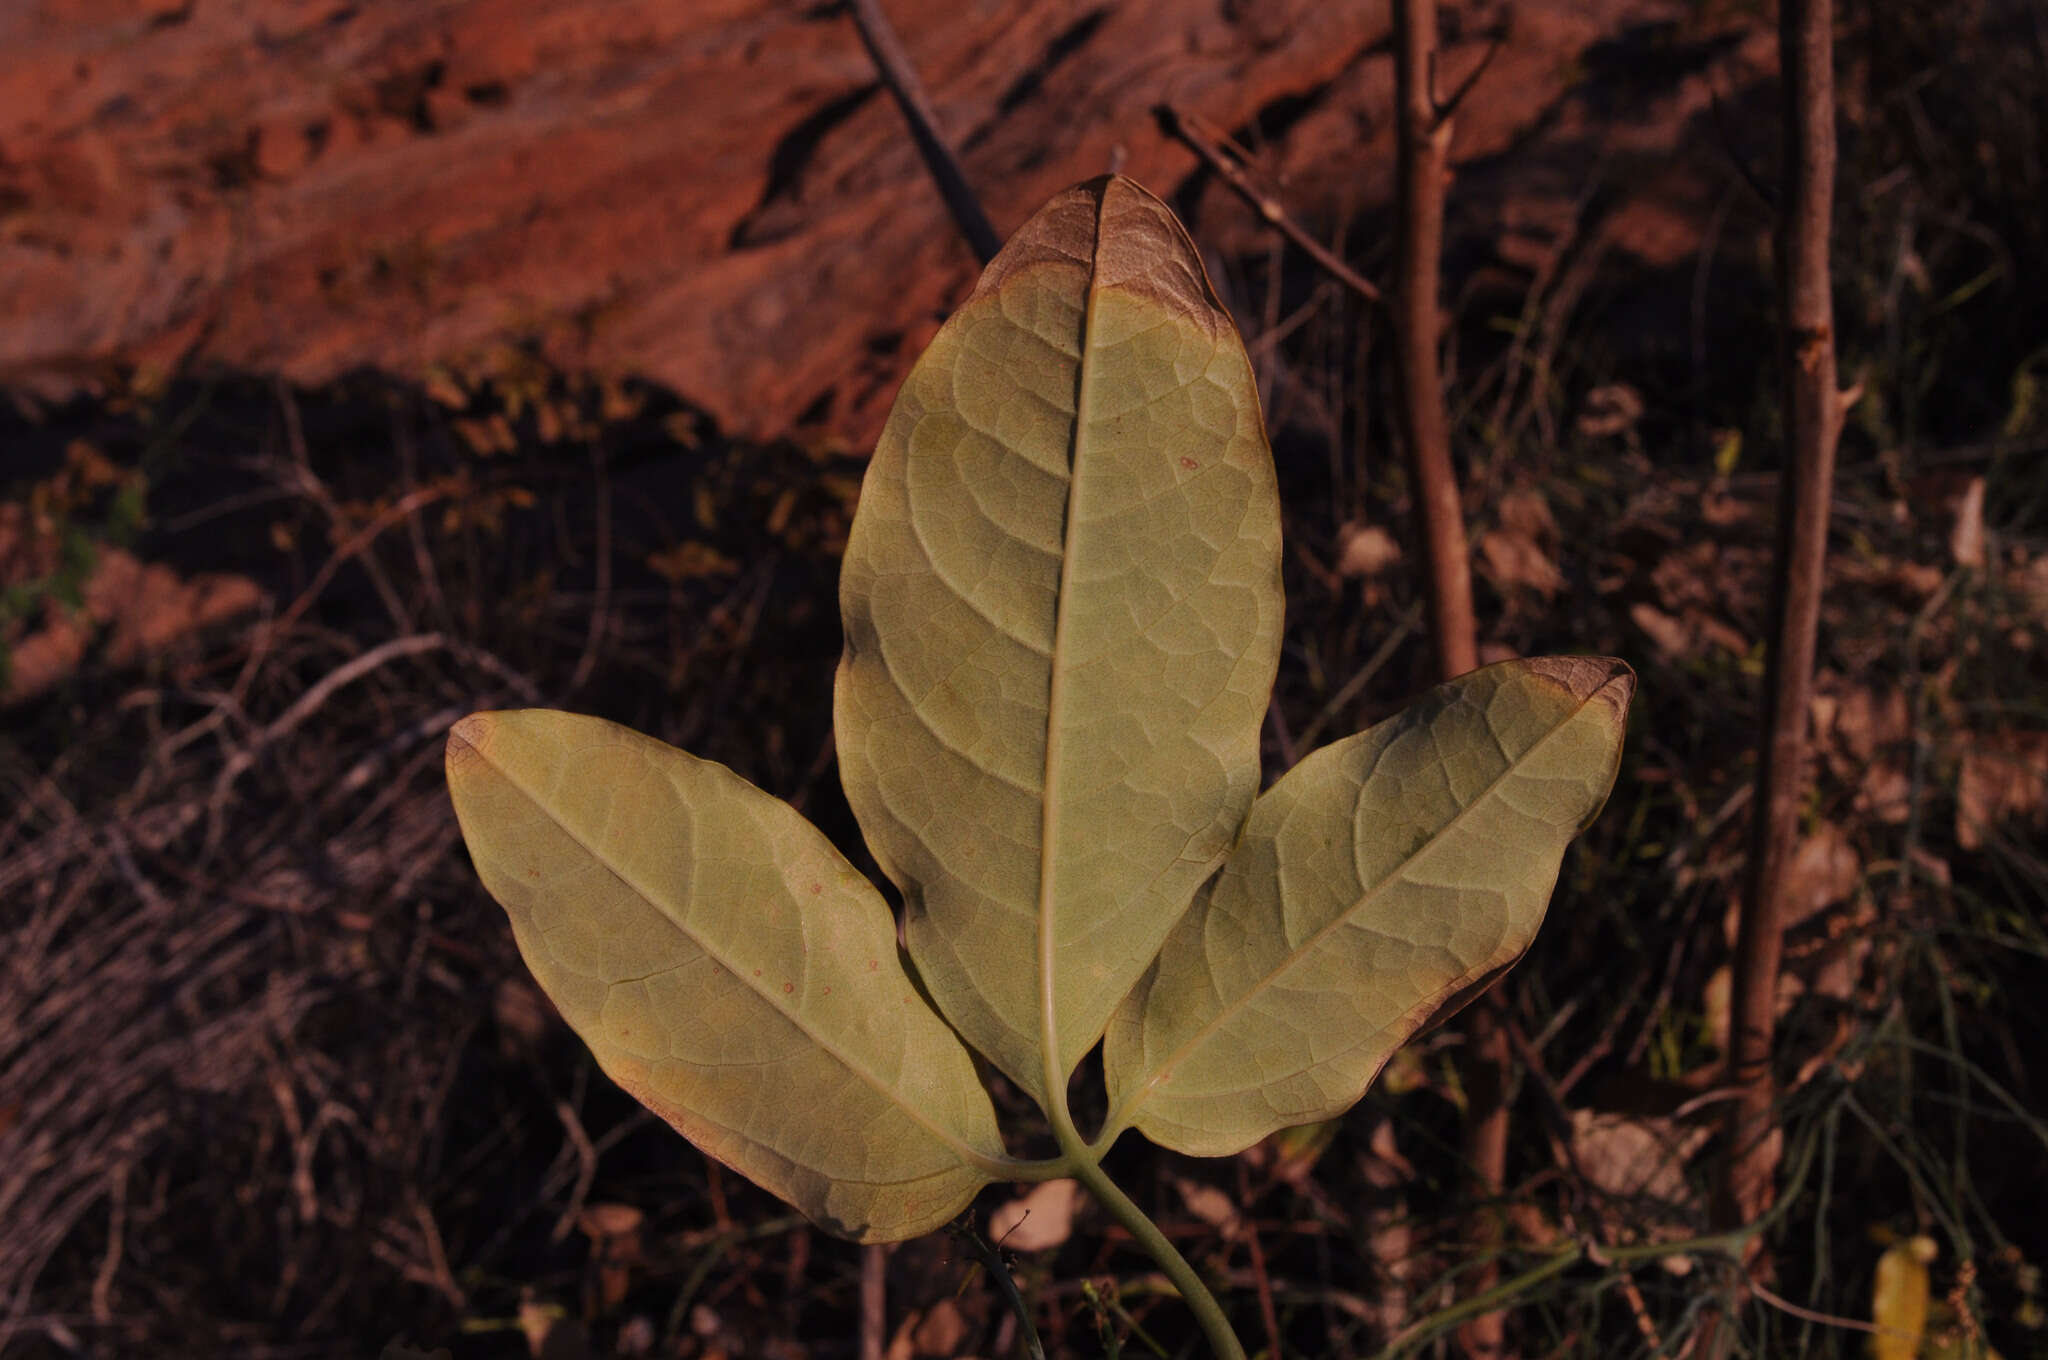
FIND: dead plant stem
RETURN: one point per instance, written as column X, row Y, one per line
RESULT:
column 1814, row 410
column 1209, row 144
column 1422, row 166
column 1257, row 1251
column 901, row 77
column 1423, row 161
column 874, row 1301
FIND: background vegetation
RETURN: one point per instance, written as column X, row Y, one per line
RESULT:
column 273, row 1082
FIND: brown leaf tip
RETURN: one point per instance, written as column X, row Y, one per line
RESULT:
column 468, row 740
column 1604, row 680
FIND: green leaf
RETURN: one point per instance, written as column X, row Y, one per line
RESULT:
column 1062, row 607
column 727, row 967
column 1384, row 881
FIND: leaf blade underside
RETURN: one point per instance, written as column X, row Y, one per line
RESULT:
column 1381, row 883
column 1062, row 608
column 726, row 966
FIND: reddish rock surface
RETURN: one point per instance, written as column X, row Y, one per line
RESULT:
column 713, row 194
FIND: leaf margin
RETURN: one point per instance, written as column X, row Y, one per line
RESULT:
column 1613, row 691
column 816, row 1193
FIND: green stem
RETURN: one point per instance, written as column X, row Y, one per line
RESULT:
column 1508, row 1291
column 1026, row 1171
column 1088, row 1170
column 1484, row 1302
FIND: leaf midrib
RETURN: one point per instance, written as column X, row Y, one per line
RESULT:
column 972, row 1157
column 1049, row 784
column 1126, row 1112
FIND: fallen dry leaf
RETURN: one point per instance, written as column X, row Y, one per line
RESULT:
column 1717, row 997
column 689, row 561
column 522, row 1014
column 150, row 607
column 1709, row 576
column 1513, row 561
column 1517, row 555
column 550, row 1334
column 1636, row 1155
column 1638, row 1163
column 1917, row 579
column 1834, row 968
column 1724, row 511
column 1525, row 511
column 2031, row 581
column 42, row 659
column 1825, row 869
column 1966, row 537
column 1038, row 1220
column 941, row 1332
column 1886, row 793
column 1211, row 1205
column 615, row 1248
column 1532, row 1225
column 1612, row 408
column 1365, row 550
column 1668, row 634
column 143, row 609
column 1863, row 733
column 2002, row 777
column 1683, row 638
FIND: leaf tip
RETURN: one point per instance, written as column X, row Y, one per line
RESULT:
column 1618, row 690
column 1604, row 680
column 467, row 740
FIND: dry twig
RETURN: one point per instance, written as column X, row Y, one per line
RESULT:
column 1814, row 409
column 1205, row 141
column 901, row 77
column 1423, row 138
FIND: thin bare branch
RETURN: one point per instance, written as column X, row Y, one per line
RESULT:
column 1209, row 144
column 1423, row 141
column 900, row 76
column 874, row 1300
column 1813, row 424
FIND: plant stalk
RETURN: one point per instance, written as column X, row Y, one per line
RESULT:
column 1422, row 161
column 879, row 36
column 1814, row 410
column 874, row 1300
column 1422, row 165
column 1199, row 1298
